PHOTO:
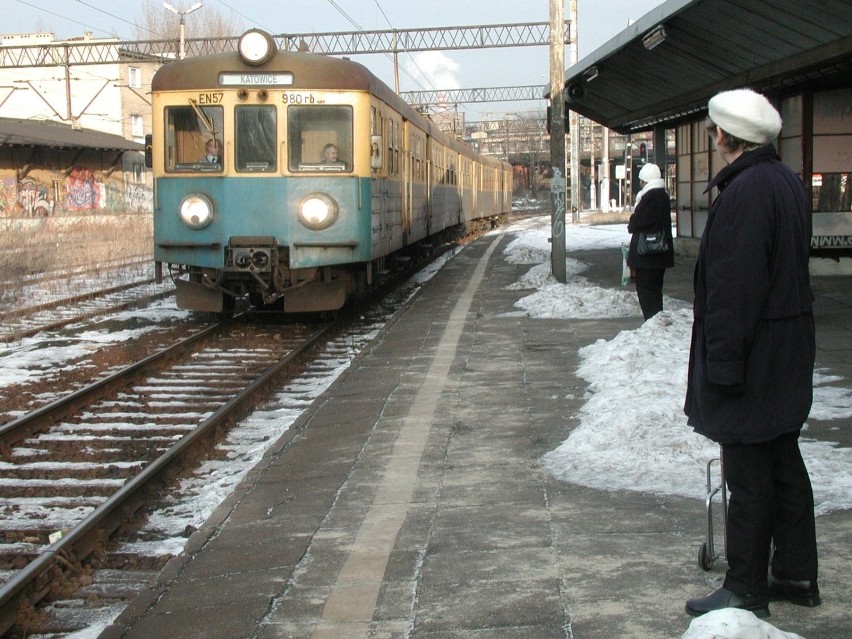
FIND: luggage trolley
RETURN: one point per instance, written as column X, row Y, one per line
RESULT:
column 707, row 552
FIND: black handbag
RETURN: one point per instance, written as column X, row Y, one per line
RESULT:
column 652, row 243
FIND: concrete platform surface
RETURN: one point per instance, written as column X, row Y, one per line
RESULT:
column 410, row 500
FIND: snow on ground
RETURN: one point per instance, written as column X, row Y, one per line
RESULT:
column 46, row 353
column 632, row 432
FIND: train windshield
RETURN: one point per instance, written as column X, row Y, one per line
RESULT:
column 319, row 138
column 255, row 138
column 194, row 140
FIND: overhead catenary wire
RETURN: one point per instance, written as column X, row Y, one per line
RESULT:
column 387, row 55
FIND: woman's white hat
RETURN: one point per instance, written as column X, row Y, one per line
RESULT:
column 649, row 172
column 746, row 115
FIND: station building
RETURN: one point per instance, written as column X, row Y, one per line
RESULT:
column 658, row 74
column 48, row 169
column 72, row 128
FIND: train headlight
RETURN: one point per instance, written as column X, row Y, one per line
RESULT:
column 196, row 211
column 256, row 47
column 318, row 211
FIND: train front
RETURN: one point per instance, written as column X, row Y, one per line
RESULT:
column 261, row 173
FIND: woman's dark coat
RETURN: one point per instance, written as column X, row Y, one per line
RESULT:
column 652, row 214
column 753, row 345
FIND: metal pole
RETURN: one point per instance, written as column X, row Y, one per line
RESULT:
column 557, row 138
column 605, row 169
column 395, row 64
column 182, row 15
column 593, row 184
column 575, row 129
column 182, row 50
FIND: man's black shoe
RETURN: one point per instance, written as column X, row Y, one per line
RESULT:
column 801, row 593
column 724, row 598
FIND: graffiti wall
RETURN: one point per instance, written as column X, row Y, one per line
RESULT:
column 81, row 191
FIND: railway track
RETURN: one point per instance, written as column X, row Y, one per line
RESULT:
column 168, row 417
column 30, row 320
column 75, row 471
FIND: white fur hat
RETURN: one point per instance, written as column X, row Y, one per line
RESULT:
column 746, row 115
column 649, row 172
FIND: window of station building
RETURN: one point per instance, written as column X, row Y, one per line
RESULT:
column 790, row 138
column 137, row 126
column 134, row 77
column 188, row 131
column 256, row 139
column 311, row 129
column 832, row 151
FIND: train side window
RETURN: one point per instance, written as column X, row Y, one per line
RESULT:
column 397, row 137
column 310, row 129
column 188, row 129
column 375, row 152
column 255, row 139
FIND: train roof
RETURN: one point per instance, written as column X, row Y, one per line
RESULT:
column 310, row 71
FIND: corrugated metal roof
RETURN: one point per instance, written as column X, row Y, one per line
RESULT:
column 773, row 46
column 58, row 135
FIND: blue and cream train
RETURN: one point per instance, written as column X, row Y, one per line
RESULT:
column 274, row 220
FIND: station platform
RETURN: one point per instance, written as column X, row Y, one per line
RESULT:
column 409, row 501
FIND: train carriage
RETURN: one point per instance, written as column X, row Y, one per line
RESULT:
column 251, row 201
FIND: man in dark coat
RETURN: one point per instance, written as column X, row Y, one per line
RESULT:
column 751, row 360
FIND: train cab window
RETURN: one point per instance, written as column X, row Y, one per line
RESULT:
column 311, row 129
column 256, row 139
column 190, row 130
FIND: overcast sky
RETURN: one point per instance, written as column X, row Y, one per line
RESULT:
column 598, row 21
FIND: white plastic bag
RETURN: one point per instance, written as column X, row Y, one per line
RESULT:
column 625, row 270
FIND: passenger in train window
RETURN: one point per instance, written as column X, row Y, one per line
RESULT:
column 330, row 153
column 750, row 376
column 213, row 152
column 652, row 214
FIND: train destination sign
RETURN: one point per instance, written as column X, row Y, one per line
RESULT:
column 255, row 79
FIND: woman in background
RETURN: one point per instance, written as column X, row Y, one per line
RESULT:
column 652, row 213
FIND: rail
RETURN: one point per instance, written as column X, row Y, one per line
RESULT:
column 31, row 584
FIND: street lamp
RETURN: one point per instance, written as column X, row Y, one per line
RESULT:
column 182, row 14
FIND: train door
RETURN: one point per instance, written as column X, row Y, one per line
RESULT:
column 394, row 185
column 475, row 189
column 429, row 184
column 408, row 173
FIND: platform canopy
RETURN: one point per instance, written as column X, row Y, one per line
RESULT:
column 14, row 132
column 664, row 67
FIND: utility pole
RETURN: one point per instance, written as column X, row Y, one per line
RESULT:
column 182, row 14
column 557, row 139
column 593, row 190
column 575, row 128
column 605, row 172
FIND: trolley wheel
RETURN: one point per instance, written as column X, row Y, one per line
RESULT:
column 704, row 560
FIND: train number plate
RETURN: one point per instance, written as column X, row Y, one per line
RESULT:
column 299, row 98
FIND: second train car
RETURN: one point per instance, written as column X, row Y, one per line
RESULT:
column 289, row 178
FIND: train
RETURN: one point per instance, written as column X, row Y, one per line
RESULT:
column 292, row 180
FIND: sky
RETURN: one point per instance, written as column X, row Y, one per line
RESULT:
column 620, row 443
column 598, row 21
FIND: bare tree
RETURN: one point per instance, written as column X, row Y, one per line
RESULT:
column 155, row 22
